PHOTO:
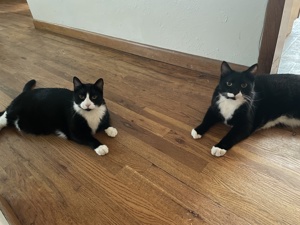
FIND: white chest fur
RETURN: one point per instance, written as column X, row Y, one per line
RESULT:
column 92, row 117
column 228, row 106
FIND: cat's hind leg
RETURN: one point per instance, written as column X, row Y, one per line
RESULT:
column 3, row 119
column 61, row 134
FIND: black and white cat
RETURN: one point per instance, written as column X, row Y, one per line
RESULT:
column 248, row 103
column 75, row 115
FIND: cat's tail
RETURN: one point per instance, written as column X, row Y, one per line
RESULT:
column 29, row 85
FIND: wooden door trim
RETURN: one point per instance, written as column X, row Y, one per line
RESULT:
column 273, row 17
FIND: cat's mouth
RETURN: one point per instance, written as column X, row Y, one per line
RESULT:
column 232, row 96
column 229, row 96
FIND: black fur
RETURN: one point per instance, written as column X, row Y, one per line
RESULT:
column 268, row 97
column 29, row 85
column 48, row 110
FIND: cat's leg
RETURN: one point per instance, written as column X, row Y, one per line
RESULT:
column 209, row 120
column 101, row 150
column 3, row 120
column 92, row 142
column 111, row 131
column 106, row 126
column 61, row 134
column 235, row 135
column 98, row 147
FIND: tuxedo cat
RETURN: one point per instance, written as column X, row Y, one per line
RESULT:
column 75, row 115
column 248, row 103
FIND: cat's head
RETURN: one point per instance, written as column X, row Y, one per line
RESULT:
column 235, row 84
column 88, row 96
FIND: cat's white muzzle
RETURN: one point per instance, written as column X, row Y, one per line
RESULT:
column 234, row 97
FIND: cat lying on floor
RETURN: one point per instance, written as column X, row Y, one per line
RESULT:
column 248, row 103
column 75, row 115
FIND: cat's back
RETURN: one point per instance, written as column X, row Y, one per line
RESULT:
column 43, row 97
column 278, row 84
column 46, row 93
column 55, row 94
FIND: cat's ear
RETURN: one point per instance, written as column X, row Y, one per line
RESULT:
column 76, row 82
column 252, row 69
column 225, row 68
column 99, row 83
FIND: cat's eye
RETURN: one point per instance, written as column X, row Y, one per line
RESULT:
column 243, row 85
column 81, row 96
column 94, row 97
column 229, row 84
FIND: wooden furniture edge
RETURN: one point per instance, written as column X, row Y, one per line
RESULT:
column 193, row 62
column 8, row 213
column 270, row 34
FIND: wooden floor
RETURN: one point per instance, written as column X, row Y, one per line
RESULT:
column 155, row 172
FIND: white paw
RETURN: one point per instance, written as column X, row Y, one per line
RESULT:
column 102, row 150
column 195, row 135
column 111, row 132
column 218, row 151
column 60, row 134
column 3, row 120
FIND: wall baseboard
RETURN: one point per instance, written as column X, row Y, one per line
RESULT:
column 193, row 62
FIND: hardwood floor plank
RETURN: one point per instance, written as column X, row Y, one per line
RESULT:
column 161, row 146
column 194, row 201
column 157, row 197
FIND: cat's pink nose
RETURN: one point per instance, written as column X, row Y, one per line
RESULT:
column 239, row 94
column 88, row 105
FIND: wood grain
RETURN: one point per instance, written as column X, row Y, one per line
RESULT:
column 155, row 173
column 8, row 213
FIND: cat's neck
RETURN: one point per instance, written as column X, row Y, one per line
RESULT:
column 93, row 117
column 227, row 106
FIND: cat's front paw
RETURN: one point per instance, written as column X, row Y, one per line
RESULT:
column 102, row 150
column 218, row 151
column 195, row 135
column 111, row 132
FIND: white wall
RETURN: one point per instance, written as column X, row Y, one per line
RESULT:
column 219, row 29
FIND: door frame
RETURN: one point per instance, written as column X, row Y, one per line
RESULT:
column 279, row 17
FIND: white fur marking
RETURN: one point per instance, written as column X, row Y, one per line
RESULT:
column 292, row 122
column 230, row 95
column 17, row 125
column 102, row 150
column 92, row 117
column 111, row 132
column 228, row 106
column 3, row 120
column 87, row 103
column 218, row 151
column 195, row 135
column 60, row 134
